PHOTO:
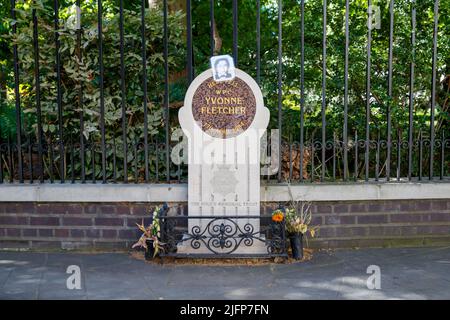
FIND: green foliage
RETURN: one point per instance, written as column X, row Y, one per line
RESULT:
column 82, row 75
column 335, row 61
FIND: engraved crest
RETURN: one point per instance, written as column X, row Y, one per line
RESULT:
column 224, row 181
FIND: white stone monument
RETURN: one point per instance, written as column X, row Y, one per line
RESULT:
column 224, row 122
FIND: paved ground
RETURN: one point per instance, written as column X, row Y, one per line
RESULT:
column 422, row 273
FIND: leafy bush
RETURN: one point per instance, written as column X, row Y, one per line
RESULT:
column 83, row 74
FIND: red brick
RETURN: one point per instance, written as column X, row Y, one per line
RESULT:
column 108, row 222
column 92, row 208
column 46, row 232
column 316, row 220
column 390, row 206
column 375, row 231
column 77, row 233
column 439, row 216
column 44, row 221
column 320, row 208
column 379, row 218
column 375, row 208
column 440, row 229
column 13, row 220
column 74, row 209
column 341, row 208
column 62, row 233
column 42, row 208
column 123, row 209
column 109, row 233
column 71, row 221
column 140, row 209
column 406, row 217
column 108, row 209
column 327, row 232
column 129, row 234
column 28, row 207
column 29, row 232
column 11, row 208
column 10, row 232
column 359, row 232
column 93, row 233
column 439, row 205
column 407, row 206
column 344, row 232
column 409, row 230
column 58, row 208
column 423, row 205
column 332, row 220
column 392, row 231
column 358, row 208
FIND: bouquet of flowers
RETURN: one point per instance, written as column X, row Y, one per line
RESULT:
column 151, row 232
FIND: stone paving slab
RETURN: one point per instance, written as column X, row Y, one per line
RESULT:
column 411, row 273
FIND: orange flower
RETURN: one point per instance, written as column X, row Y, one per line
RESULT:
column 277, row 216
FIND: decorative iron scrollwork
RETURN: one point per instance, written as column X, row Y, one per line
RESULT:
column 222, row 235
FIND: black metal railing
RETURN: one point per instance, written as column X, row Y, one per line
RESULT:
column 300, row 163
column 222, row 236
column 377, row 153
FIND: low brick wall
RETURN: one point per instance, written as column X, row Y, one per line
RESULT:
column 111, row 226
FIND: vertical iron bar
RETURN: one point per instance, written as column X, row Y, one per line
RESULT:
column 102, row 97
column 166, row 91
column 38, row 93
column 280, row 93
column 345, row 129
column 399, row 154
column 211, row 27
column 93, row 161
column 334, row 156
column 411, row 87
column 235, row 32
column 290, row 159
column 302, row 86
column 114, row 161
column 80, row 104
column 157, row 160
column 312, row 157
column 389, row 102
column 58, row 91
column 30, row 160
column 190, row 71
column 368, row 87
column 17, row 98
column 144, row 84
column 433, row 86
column 1, row 165
column 136, row 171
column 72, row 161
column 324, row 83
column 52, row 157
column 258, row 41
column 356, row 155
column 123, row 94
column 420, row 154
column 377, row 158
column 10, row 154
column 442, row 155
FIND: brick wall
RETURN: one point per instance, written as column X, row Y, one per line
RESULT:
column 108, row 226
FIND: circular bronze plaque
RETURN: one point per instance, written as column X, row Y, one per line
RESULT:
column 224, row 109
